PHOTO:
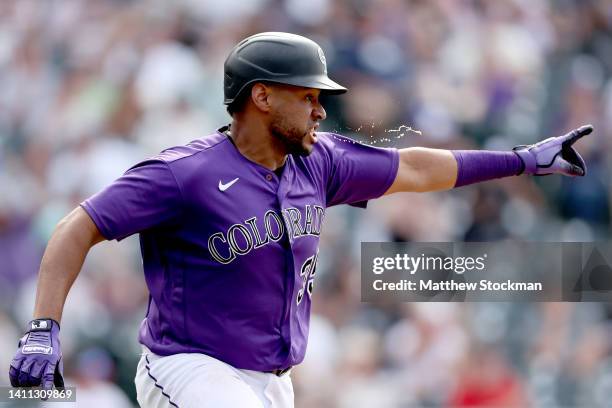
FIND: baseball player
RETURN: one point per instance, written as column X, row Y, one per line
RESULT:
column 229, row 229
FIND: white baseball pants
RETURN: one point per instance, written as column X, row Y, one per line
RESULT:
column 193, row 380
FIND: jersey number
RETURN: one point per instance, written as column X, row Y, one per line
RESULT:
column 307, row 272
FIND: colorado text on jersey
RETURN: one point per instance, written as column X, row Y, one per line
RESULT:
column 240, row 239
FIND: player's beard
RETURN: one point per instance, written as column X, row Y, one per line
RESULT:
column 292, row 138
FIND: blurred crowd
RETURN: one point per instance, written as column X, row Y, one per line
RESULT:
column 91, row 87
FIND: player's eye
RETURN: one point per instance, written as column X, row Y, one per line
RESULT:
column 309, row 98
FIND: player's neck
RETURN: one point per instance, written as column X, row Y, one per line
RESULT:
column 254, row 141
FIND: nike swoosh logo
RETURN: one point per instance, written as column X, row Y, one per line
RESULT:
column 227, row 185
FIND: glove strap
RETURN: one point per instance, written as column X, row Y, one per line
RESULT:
column 42, row 325
column 528, row 160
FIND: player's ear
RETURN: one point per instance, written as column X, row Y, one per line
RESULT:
column 260, row 95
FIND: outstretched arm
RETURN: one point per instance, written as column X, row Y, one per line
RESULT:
column 423, row 169
column 62, row 262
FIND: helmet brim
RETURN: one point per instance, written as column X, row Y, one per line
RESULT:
column 321, row 82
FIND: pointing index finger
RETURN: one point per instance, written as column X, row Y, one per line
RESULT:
column 576, row 134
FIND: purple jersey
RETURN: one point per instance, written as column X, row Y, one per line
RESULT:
column 229, row 248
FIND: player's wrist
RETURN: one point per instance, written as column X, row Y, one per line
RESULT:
column 43, row 324
column 528, row 161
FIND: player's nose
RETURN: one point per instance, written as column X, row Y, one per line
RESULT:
column 319, row 112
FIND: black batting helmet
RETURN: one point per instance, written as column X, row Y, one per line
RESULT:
column 276, row 57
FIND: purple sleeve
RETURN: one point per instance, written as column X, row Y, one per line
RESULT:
column 359, row 172
column 474, row 166
column 146, row 196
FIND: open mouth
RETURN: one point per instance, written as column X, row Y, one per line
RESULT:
column 313, row 134
column 313, row 137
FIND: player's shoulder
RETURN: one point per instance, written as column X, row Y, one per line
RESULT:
column 329, row 139
column 194, row 148
column 331, row 147
column 328, row 147
column 328, row 143
column 195, row 153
